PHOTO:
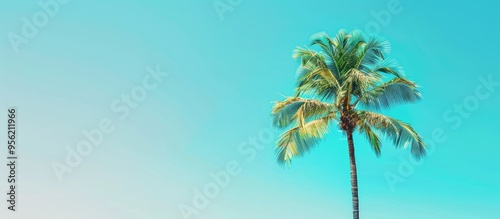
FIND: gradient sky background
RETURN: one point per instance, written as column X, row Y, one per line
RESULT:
column 224, row 76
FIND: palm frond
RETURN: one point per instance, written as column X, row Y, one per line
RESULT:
column 375, row 49
column 308, row 56
column 322, row 40
column 401, row 134
column 314, row 75
column 394, row 92
column 384, row 66
column 327, row 45
column 356, row 81
column 355, row 44
column 340, row 42
column 298, row 140
column 299, row 110
column 372, row 137
column 319, row 88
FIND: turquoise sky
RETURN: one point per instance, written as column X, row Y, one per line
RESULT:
column 224, row 74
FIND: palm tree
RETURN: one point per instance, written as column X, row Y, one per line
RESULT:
column 347, row 82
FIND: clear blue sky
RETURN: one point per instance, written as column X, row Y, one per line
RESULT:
column 224, row 76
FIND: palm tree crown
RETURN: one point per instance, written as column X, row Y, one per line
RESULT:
column 349, row 76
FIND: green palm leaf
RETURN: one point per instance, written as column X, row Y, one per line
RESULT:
column 394, row 92
column 300, row 139
column 299, row 110
column 401, row 134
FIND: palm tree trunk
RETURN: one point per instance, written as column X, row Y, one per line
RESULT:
column 354, row 176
